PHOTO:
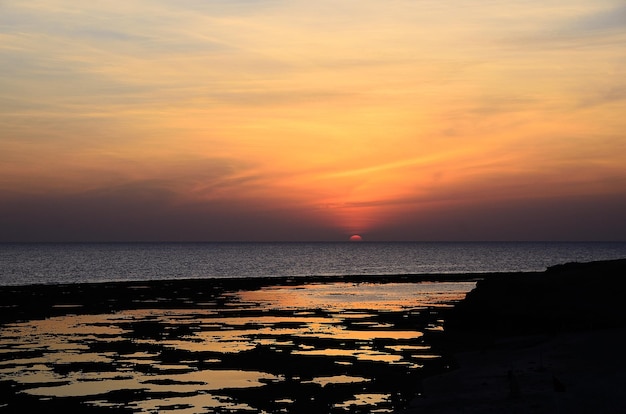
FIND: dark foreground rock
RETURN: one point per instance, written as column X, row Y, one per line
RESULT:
column 567, row 297
column 550, row 342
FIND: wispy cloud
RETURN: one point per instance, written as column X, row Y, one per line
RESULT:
column 357, row 105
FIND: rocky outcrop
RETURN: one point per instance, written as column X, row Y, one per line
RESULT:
column 568, row 297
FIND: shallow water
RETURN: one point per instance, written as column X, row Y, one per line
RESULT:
column 337, row 348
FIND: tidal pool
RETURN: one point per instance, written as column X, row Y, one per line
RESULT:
column 336, row 348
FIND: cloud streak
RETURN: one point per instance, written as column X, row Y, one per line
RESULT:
column 329, row 118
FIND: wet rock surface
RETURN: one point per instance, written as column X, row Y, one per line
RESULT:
column 209, row 346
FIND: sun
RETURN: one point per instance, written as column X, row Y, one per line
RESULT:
column 356, row 238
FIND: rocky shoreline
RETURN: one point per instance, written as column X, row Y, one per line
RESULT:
column 342, row 345
column 540, row 342
column 42, row 301
column 535, row 343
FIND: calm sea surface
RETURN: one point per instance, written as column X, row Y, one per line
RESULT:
column 23, row 264
column 324, row 348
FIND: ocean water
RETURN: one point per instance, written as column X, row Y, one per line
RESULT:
column 33, row 263
column 355, row 348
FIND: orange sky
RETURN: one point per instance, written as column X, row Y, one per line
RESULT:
column 299, row 120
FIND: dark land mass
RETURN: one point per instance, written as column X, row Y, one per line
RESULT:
column 572, row 296
column 551, row 342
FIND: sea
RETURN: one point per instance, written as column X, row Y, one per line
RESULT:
column 332, row 348
column 60, row 263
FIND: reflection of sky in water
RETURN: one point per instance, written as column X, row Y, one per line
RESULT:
column 350, row 296
column 83, row 383
column 91, row 355
column 337, row 379
column 366, row 399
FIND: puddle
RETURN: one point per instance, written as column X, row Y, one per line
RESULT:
column 338, row 379
column 350, row 296
column 190, row 405
column 361, row 400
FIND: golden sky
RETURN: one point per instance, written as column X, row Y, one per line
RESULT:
column 301, row 120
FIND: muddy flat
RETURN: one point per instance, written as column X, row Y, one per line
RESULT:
column 330, row 345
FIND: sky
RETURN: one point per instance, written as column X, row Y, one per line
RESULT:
column 272, row 120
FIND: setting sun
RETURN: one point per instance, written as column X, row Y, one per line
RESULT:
column 356, row 238
column 267, row 121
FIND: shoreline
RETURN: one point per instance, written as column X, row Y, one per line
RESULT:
column 24, row 302
column 502, row 347
column 303, row 345
column 535, row 344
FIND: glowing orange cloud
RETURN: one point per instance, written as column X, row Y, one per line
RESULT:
column 358, row 119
